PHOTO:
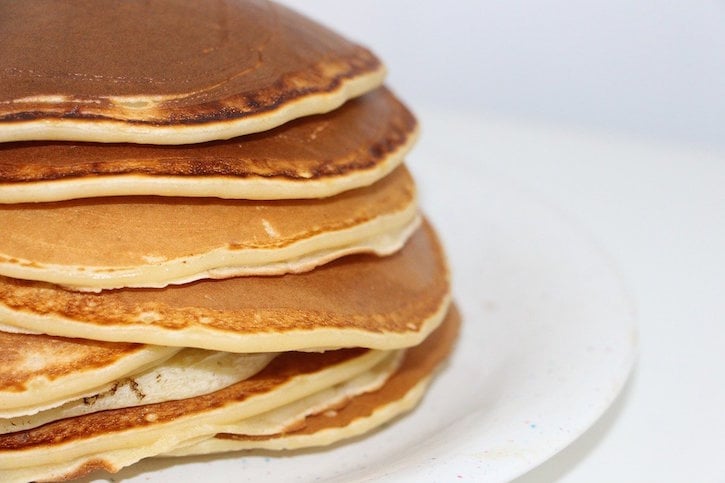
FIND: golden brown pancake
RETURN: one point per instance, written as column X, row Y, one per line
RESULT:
column 168, row 72
column 187, row 373
column 40, row 371
column 240, row 94
column 312, row 157
column 152, row 242
column 360, row 300
column 112, row 439
column 119, row 437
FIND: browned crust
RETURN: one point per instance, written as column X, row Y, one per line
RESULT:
column 420, row 362
column 236, row 59
column 86, row 468
column 356, row 137
column 125, row 230
column 282, row 369
column 395, row 294
column 61, row 356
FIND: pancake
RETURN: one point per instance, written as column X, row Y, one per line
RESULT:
column 168, row 72
column 38, row 372
column 293, row 415
column 346, row 418
column 356, row 301
column 188, row 373
column 312, row 157
column 116, row 438
column 113, row 439
column 152, row 242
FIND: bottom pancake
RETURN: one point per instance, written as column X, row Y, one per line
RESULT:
column 113, row 439
column 355, row 416
column 116, row 438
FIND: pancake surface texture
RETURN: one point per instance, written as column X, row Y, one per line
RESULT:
column 356, row 301
column 117, row 438
column 152, row 242
column 188, row 373
column 38, row 371
column 126, row 72
column 209, row 241
column 355, row 416
column 312, row 157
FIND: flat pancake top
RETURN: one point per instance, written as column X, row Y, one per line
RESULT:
column 166, row 63
column 342, row 148
column 106, row 236
column 360, row 300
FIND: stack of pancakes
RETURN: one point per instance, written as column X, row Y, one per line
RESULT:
column 209, row 240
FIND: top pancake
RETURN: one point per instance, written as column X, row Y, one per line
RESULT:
column 313, row 157
column 168, row 72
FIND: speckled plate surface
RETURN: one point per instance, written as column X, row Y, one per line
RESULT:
column 548, row 341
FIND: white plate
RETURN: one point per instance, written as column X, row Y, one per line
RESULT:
column 547, row 343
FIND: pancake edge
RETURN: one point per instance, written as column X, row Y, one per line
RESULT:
column 390, row 232
column 294, row 340
column 70, row 387
column 224, row 187
column 326, row 437
column 155, row 439
column 115, row 131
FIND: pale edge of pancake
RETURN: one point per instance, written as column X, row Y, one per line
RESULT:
column 291, row 416
column 44, row 394
column 123, row 448
column 325, row 437
column 189, row 373
column 16, row 330
column 112, row 131
column 383, row 235
column 204, row 337
column 269, row 423
column 225, row 187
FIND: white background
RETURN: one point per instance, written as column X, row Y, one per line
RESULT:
column 645, row 68
column 614, row 113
